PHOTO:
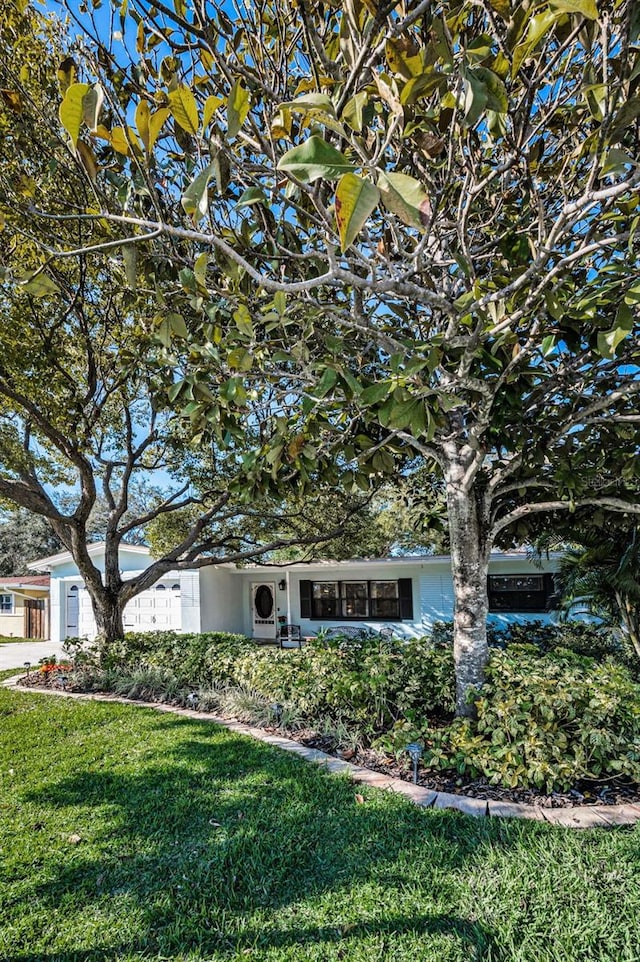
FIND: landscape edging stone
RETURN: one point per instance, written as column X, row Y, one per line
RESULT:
column 585, row 816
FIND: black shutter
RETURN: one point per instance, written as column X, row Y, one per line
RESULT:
column 551, row 595
column 405, row 593
column 305, row 599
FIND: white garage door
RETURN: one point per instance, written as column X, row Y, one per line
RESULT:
column 156, row 609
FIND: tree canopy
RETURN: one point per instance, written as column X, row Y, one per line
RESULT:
column 417, row 224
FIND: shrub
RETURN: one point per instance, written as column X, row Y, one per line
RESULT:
column 545, row 721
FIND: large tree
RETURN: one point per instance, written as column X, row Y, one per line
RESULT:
column 422, row 220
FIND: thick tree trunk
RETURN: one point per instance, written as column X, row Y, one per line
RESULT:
column 108, row 614
column 470, row 564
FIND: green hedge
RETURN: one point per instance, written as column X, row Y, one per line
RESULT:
column 545, row 721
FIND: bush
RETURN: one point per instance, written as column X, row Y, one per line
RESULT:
column 545, row 721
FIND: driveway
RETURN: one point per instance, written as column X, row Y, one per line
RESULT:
column 14, row 656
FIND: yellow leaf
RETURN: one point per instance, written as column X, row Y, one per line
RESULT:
column 211, row 104
column 356, row 198
column 119, row 140
column 156, row 122
column 184, row 109
column 101, row 132
column 72, row 110
column 142, row 122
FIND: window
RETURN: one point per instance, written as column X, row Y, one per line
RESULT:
column 326, row 595
column 357, row 600
column 385, row 599
column 6, row 604
column 161, row 587
column 521, row 592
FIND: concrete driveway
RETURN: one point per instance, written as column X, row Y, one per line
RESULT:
column 14, row 656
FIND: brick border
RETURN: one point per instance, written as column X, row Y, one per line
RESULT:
column 585, row 816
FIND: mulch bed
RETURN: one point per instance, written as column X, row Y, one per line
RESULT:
column 609, row 792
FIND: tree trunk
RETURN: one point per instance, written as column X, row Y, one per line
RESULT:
column 469, row 565
column 107, row 612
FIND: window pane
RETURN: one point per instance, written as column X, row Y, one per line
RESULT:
column 385, row 600
column 517, row 593
column 355, row 600
column 325, row 599
column 516, row 583
column 6, row 603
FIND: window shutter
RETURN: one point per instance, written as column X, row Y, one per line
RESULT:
column 551, row 597
column 405, row 593
column 305, row 599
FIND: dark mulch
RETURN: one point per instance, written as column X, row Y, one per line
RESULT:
column 609, row 792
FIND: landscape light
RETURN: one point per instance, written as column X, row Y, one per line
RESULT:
column 415, row 754
column 276, row 708
column 27, row 665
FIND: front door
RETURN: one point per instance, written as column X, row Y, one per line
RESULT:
column 263, row 608
column 73, row 613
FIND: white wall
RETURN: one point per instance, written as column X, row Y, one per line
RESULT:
column 433, row 598
column 222, row 605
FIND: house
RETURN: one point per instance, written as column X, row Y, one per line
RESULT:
column 24, row 606
column 407, row 594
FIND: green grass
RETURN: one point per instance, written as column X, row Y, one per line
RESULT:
column 131, row 835
column 7, row 640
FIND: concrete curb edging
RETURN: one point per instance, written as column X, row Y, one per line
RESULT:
column 586, row 816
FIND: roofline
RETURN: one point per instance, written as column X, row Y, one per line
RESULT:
column 12, row 586
column 425, row 559
column 96, row 548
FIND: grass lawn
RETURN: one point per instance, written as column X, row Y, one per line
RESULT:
column 126, row 834
column 6, row 640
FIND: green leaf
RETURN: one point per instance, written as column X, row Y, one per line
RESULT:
column 405, row 197
column 130, row 261
column 326, row 382
column 237, row 108
column 538, row 27
column 312, row 101
column 177, row 324
column 40, row 285
column 587, row 8
column 200, row 269
column 72, row 110
column 356, row 198
column 615, row 161
column 313, row 159
column 195, row 198
column 376, row 392
column 184, row 109
column 242, row 317
column 496, row 93
column 608, row 340
column 253, row 195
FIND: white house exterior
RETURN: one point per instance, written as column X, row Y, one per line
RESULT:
column 407, row 594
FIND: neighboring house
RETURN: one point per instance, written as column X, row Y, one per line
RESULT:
column 407, row 594
column 24, row 606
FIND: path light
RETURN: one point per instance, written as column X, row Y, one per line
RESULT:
column 27, row 665
column 415, row 754
column 63, row 681
column 276, row 708
column 192, row 699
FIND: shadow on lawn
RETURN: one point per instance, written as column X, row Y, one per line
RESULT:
column 220, row 842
